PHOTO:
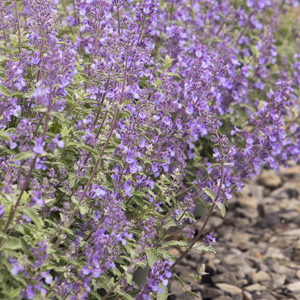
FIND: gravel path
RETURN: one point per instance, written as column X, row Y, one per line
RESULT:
column 258, row 245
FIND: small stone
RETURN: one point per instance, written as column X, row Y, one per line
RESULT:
column 294, row 287
column 255, row 287
column 234, row 260
column 223, row 298
column 229, row 289
column 260, row 276
column 247, row 296
column 293, row 232
column 247, row 202
column 215, row 222
column 224, row 278
column 269, row 179
column 278, row 280
column 285, row 192
column 267, row 296
column 250, row 213
column 296, row 255
column 241, row 237
column 275, row 253
column 173, row 251
column 242, row 282
column 209, row 292
column 290, row 171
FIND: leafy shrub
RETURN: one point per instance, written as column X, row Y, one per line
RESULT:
column 117, row 117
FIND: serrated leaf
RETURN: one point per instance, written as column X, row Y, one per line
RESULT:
column 164, row 294
column 214, row 165
column 165, row 254
column 168, row 62
column 175, row 243
column 12, row 243
column 204, row 248
column 95, row 294
column 5, row 91
column 2, row 234
column 152, row 256
column 222, row 208
column 170, row 222
column 209, row 193
column 23, row 155
column 193, row 294
column 6, row 3
column 180, row 281
column 33, row 215
column 157, row 82
column 124, row 294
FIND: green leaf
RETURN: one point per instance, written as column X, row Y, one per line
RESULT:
column 23, row 155
column 222, row 208
column 165, row 254
column 33, row 215
column 167, row 62
column 175, row 243
column 228, row 164
column 2, row 234
column 12, row 244
column 214, row 165
column 152, row 256
column 6, row 3
column 193, row 294
column 5, row 91
column 164, row 294
column 3, row 136
column 95, row 294
column 209, row 193
column 71, row 179
column 124, row 294
column 170, row 222
column 180, row 281
column 157, row 82
column 84, row 209
column 202, row 247
column 173, row 74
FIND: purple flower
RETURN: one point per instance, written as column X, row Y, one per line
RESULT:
column 208, row 239
column 36, row 200
column 227, row 194
column 38, row 148
column 189, row 109
column 30, row 292
column 2, row 212
column 26, row 219
column 127, row 187
column 35, row 59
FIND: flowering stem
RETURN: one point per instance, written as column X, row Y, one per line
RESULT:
column 244, row 28
column 14, row 207
column 100, row 107
column 208, row 216
column 103, row 149
column 19, row 27
column 3, row 25
column 119, row 25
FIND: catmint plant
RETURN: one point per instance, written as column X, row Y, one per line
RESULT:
column 117, row 118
